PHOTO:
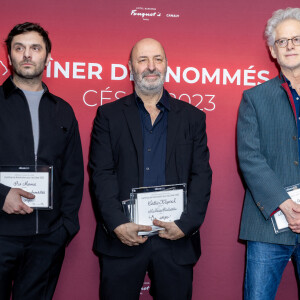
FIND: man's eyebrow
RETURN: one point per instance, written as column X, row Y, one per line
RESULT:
column 36, row 45
column 21, row 44
column 145, row 56
column 18, row 44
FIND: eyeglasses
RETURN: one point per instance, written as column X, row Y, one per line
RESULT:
column 284, row 42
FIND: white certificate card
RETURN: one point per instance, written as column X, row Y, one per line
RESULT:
column 279, row 221
column 33, row 179
column 165, row 206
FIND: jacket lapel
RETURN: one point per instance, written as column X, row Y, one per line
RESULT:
column 173, row 123
column 131, row 113
column 132, row 116
column 285, row 86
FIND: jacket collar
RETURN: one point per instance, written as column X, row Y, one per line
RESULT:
column 9, row 88
column 281, row 77
column 286, row 87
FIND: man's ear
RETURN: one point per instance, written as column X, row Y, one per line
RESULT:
column 129, row 66
column 273, row 52
column 48, row 59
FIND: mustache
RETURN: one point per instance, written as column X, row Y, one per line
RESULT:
column 149, row 72
column 26, row 61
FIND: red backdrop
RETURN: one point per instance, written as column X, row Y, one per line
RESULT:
column 215, row 50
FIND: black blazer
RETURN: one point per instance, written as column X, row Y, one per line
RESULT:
column 116, row 163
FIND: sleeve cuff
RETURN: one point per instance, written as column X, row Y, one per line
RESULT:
column 4, row 190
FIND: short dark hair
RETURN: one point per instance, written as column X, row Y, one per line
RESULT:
column 27, row 27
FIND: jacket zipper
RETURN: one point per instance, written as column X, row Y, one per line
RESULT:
column 36, row 210
column 35, row 166
column 35, row 156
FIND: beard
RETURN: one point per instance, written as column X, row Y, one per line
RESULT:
column 149, row 87
column 35, row 71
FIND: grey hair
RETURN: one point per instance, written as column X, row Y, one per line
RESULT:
column 279, row 16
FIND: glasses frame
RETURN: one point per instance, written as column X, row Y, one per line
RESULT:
column 287, row 41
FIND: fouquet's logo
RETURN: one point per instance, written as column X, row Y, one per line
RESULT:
column 3, row 68
column 147, row 13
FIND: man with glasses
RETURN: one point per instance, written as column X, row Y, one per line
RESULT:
column 268, row 138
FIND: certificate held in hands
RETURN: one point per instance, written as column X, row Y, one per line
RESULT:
column 165, row 203
column 278, row 219
column 36, row 180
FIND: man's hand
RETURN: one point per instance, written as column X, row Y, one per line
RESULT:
column 128, row 233
column 171, row 232
column 13, row 203
column 291, row 211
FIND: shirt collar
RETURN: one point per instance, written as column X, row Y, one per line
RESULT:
column 289, row 84
column 162, row 103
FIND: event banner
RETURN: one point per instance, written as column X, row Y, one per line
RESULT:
column 215, row 51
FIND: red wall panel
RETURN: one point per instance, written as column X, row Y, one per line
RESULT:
column 215, row 50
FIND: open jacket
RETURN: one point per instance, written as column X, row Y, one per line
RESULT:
column 116, row 163
column 59, row 146
column 268, row 154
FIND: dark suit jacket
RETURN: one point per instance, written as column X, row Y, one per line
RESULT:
column 116, row 163
column 267, row 141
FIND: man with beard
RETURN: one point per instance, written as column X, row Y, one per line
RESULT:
column 37, row 129
column 142, row 140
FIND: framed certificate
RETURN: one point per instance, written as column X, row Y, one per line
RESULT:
column 37, row 180
column 165, row 203
column 279, row 221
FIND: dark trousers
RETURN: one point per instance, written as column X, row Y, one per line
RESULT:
column 123, row 277
column 30, row 265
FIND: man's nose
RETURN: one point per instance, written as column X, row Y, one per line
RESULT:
column 290, row 44
column 151, row 65
column 27, row 53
